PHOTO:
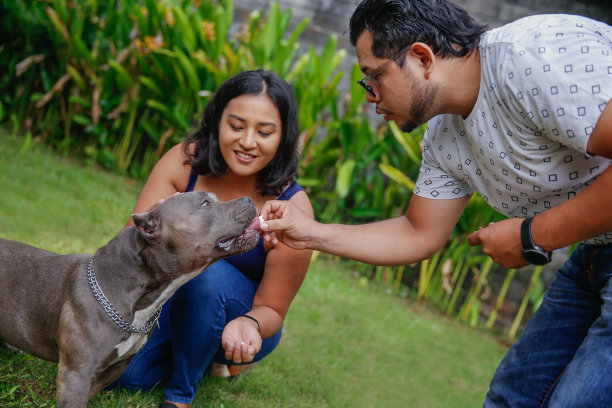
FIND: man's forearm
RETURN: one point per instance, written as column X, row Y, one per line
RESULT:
column 388, row 242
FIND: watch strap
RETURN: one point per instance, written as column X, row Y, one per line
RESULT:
column 526, row 239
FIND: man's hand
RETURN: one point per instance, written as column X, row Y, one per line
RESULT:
column 502, row 242
column 288, row 224
column 241, row 340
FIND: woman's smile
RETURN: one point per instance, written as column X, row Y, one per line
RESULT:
column 245, row 157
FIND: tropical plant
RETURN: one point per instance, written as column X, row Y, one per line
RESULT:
column 121, row 81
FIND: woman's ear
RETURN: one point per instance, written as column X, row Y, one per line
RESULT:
column 425, row 55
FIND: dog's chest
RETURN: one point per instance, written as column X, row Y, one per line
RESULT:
column 136, row 341
column 130, row 346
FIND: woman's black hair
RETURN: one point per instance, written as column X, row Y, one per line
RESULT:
column 206, row 158
column 395, row 24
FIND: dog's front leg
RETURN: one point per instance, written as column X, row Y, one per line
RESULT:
column 73, row 386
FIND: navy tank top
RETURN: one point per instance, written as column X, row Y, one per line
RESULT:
column 253, row 262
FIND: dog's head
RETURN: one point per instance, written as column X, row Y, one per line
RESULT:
column 195, row 227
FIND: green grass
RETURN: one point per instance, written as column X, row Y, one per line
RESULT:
column 345, row 344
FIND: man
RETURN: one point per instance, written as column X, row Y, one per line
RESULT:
column 519, row 114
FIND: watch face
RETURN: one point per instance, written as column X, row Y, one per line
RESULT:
column 536, row 256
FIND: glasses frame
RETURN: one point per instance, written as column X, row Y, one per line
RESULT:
column 379, row 70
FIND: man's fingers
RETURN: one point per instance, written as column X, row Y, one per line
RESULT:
column 474, row 238
column 273, row 209
column 273, row 225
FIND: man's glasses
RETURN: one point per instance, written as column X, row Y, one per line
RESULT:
column 378, row 70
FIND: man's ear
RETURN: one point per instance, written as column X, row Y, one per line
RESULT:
column 425, row 55
column 148, row 224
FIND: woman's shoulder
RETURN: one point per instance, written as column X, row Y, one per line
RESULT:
column 172, row 166
column 179, row 152
column 299, row 197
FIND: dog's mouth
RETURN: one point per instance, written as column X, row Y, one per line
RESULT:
column 249, row 236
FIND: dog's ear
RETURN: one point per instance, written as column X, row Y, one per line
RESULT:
column 148, row 224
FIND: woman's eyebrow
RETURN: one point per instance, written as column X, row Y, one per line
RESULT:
column 267, row 124
column 236, row 117
column 243, row 120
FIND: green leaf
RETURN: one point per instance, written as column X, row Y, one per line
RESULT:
column 345, row 174
column 401, row 138
column 123, row 77
column 159, row 106
column 365, row 213
column 396, row 175
column 81, row 119
column 269, row 35
column 187, row 34
column 309, row 182
column 81, row 48
column 189, row 70
column 80, row 101
column 78, row 78
column 150, row 84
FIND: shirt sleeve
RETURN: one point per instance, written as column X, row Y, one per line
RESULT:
column 434, row 181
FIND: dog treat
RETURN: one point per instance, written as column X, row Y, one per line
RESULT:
column 261, row 219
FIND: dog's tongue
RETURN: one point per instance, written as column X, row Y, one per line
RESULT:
column 254, row 225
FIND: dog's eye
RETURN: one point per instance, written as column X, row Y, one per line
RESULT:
column 206, row 203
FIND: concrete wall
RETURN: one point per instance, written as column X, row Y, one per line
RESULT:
column 332, row 16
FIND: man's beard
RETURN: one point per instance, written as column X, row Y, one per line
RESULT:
column 421, row 107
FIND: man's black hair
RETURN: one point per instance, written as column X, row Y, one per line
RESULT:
column 445, row 27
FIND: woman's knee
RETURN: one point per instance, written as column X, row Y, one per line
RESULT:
column 219, row 280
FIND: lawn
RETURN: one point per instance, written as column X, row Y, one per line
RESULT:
column 345, row 343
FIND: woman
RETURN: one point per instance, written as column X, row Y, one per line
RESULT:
column 233, row 312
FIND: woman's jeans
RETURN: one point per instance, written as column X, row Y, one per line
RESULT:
column 188, row 339
column 564, row 357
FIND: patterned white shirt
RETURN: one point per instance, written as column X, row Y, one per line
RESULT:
column 545, row 80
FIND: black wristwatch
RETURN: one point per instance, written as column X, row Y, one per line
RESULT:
column 531, row 252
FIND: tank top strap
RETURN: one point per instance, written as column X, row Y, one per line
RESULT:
column 193, row 178
column 290, row 190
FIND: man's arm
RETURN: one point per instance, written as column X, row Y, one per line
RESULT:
column 583, row 216
column 417, row 235
column 588, row 214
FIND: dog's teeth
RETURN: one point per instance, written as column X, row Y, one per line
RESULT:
column 226, row 244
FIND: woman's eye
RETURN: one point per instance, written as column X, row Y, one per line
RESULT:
column 206, row 203
column 235, row 127
column 265, row 133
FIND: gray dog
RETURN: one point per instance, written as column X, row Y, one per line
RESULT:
column 91, row 314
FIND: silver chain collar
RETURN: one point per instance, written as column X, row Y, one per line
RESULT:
column 110, row 310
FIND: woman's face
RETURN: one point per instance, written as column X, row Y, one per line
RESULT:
column 250, row 132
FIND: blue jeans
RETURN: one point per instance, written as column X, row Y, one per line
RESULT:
column 564, row 357
column 188, row 339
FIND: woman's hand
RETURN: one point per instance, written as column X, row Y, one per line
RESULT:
column 241, row 340
column 161, row 200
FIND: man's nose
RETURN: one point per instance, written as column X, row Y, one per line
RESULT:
column 374, row 96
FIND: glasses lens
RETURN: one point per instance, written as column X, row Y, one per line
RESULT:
column 367, row 87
